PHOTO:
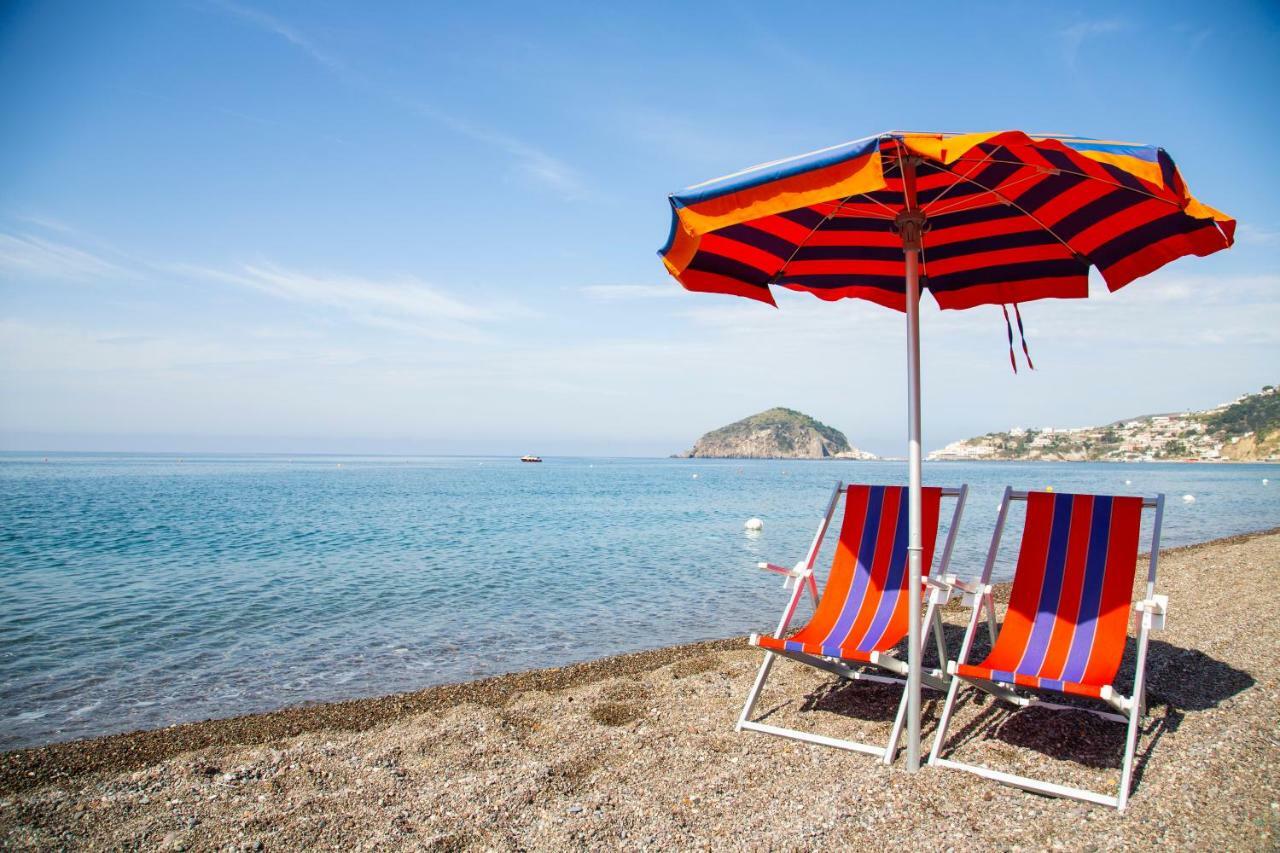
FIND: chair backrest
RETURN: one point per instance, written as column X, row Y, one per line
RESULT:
column 862, row 605
column 1069, row 608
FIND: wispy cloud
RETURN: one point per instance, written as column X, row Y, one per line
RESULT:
column 1074, row 37
column 24, row 254
column 42, row 348
column 1253, row 235
column 630, row 292
column 531, row 161
column 405, row 303
column 272, row 24
column 1195, row 36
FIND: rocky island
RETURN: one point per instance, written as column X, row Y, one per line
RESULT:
column 1246, row 429
column 776, row 433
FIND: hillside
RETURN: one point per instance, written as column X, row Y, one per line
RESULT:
column 777, row 433
column 1245, row 430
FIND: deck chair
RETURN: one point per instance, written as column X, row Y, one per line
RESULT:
column 862, row 612
column 1067, row 623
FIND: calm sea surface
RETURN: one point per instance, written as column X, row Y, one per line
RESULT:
column 140, row 591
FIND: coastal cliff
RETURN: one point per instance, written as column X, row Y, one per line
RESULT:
column 776, row 433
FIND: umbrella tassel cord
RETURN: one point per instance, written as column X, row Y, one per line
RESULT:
column 1008, row 327
column 1022, row 336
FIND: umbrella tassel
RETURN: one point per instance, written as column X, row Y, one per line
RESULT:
column 1013, row 362
column 1023, row 335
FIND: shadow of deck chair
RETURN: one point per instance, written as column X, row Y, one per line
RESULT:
column 862, row 612
column 1067, row 623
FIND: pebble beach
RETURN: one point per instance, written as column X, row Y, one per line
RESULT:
column 639, row 752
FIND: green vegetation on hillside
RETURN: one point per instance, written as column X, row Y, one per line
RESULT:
column 1257, row 413
column 776, row 433
column 787, row 424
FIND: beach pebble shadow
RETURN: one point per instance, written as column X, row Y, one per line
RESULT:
column 692, row 666
column 863, row 701
column 616, row 713
column 625, row 689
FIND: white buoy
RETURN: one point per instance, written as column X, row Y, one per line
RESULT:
column 1128, row 482
column 1265, row 481
column 695, row 476
column 754, row 524
column 1189, row 499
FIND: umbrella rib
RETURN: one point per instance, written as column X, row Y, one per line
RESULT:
column 876, row 201
column 960, row 202
column 1084, row 175
column 943, row 194
column 800, row 245
column 1006, row 200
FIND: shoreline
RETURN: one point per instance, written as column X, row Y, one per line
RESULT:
column 639, row 752
column 30, row 767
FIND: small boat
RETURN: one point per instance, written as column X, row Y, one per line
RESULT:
column 530, row 458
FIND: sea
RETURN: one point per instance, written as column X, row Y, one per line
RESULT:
column 140, row 591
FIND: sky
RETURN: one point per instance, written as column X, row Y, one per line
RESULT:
column 432, row 228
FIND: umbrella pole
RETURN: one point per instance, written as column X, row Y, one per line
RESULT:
column 910, row 224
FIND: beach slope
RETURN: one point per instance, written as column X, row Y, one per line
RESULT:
column 639, row 751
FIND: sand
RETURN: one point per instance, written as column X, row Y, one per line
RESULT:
column 639, row 752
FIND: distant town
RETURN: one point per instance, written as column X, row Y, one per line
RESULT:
column 1246, row 429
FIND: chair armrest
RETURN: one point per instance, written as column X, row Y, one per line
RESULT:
column 797, row 571
column 940, row 591
column 797, row 575
column 1153, row 611
column 972, row 593
column 969, row 586
column 949, row 586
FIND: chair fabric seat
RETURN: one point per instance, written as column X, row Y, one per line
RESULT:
column 818, row 649
column 1033, row 681
column 1068, row 617
column 863, row 608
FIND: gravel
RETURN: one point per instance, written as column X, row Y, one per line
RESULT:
column 639, row 752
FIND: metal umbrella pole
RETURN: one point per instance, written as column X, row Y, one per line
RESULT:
column 910, row 224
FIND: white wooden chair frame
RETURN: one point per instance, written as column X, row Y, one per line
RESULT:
column 942, row 588
column 1130, row 709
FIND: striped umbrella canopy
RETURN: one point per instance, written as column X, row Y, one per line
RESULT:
column 1008, row 218
column 974, row 218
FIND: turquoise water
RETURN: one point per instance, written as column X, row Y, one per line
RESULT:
column 141, row 591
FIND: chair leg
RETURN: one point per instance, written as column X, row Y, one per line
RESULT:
column 940, row 640
column 891, row 749
column 991, row 617
column 765, row 666
column 945, row 720
column 1136, row 711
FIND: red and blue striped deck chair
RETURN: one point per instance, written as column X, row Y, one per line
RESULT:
column 862, row 612
column 1067, row 623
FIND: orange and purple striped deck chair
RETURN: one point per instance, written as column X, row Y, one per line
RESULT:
column 862, row 613
column 1067, row 624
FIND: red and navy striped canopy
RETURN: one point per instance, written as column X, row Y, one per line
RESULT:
column 1009, row 218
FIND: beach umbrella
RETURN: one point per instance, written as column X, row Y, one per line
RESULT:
column 976, row 219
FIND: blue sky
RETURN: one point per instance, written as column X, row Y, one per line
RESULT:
column 406, row 227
